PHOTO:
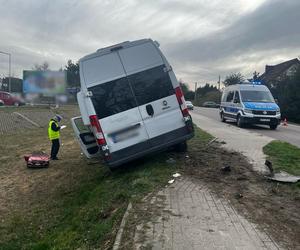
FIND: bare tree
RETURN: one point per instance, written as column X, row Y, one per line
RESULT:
column 41, row 67
column 235, row 78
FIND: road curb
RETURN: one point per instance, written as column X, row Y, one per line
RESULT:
column 121, row 229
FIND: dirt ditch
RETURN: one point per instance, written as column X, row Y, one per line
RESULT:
column 272, row 206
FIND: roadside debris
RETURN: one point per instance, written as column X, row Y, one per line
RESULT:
column 171, row 161
column 211, row 141
column 238, row 196
column 270, row 167
column 176, row 175
column 284, row 177
column 281, row 176
column 37, row 160
column 171, row 181
column 226, row 168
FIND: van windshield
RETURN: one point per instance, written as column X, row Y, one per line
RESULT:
column 256, row 96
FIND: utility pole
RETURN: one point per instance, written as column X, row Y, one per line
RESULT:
column 9, row 69
column 219, row 86
column 195, row 97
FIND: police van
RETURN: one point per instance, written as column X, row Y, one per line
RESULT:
column 131, row 103
column 249, row 104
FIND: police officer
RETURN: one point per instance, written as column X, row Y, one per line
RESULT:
column 53, row 133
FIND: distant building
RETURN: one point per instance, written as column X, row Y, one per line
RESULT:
column 16, row 84
column 276, row 73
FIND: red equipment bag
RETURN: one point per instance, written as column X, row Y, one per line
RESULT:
column 37, row 160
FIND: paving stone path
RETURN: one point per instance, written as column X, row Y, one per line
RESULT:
column 186, row 215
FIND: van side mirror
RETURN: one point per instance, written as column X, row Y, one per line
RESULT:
column 276, row 100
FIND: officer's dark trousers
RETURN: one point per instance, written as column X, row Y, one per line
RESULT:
column 54, row 148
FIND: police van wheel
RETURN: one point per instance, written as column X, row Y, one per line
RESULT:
column 222, row 117
column 273, row 126
column 239, row 122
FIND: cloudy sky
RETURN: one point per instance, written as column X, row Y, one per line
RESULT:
column 201, row 38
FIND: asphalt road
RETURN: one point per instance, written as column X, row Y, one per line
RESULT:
column 290, row 133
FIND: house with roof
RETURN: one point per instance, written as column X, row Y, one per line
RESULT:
column 276, row 73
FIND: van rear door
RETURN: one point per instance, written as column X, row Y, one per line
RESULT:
column 153, row 89
column 114, row 102
column 85, row 138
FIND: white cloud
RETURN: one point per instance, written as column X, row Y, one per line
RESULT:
column 201, row 38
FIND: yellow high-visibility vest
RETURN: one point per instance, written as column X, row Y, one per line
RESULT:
column 53, row 134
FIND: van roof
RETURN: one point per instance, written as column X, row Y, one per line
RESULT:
column 108, row 49
column 248, row 86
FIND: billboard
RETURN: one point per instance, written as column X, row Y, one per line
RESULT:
column 44, row 82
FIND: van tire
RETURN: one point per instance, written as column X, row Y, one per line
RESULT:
column 222, row 117
column 181, row 147
column 239, row 122
column 273, row 126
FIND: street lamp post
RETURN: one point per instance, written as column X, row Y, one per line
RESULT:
column 9, row 69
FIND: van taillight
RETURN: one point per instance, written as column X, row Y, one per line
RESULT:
column 97, row 130
column 95, row 125
column 181, row 101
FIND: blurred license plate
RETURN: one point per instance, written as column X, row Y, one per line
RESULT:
column 124, row 136
column 264, row 120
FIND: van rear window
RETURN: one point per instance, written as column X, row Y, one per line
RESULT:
column 129, row 92
column 112, row 97
column 151, row 85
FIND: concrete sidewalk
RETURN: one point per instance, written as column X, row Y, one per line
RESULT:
column 187, row 216
column 248, row 143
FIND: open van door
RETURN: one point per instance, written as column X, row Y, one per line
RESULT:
column 86, row 138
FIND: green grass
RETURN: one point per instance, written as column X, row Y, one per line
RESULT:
column 284, row 156
column 85, row 213
column 87, row 216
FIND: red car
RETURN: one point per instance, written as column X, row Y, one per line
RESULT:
column 8, row 99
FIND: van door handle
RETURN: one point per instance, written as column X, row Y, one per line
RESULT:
column 150, row 109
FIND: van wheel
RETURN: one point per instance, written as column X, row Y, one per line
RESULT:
column 222, row 117
column 239, row 122
column 273, row 126
column 181, row 147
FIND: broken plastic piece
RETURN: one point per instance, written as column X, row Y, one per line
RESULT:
column 226, row 168
column 284, row 177
column 63, row 126
column 176, row 175
column 171, row 181
column 270, row 167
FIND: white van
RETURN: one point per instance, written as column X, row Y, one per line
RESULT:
column 249, row 104
column 131, row 103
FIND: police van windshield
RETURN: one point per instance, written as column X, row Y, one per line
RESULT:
column 256, row 96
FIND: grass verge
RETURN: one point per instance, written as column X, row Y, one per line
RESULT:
column 284, row 156
column 74, row 204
